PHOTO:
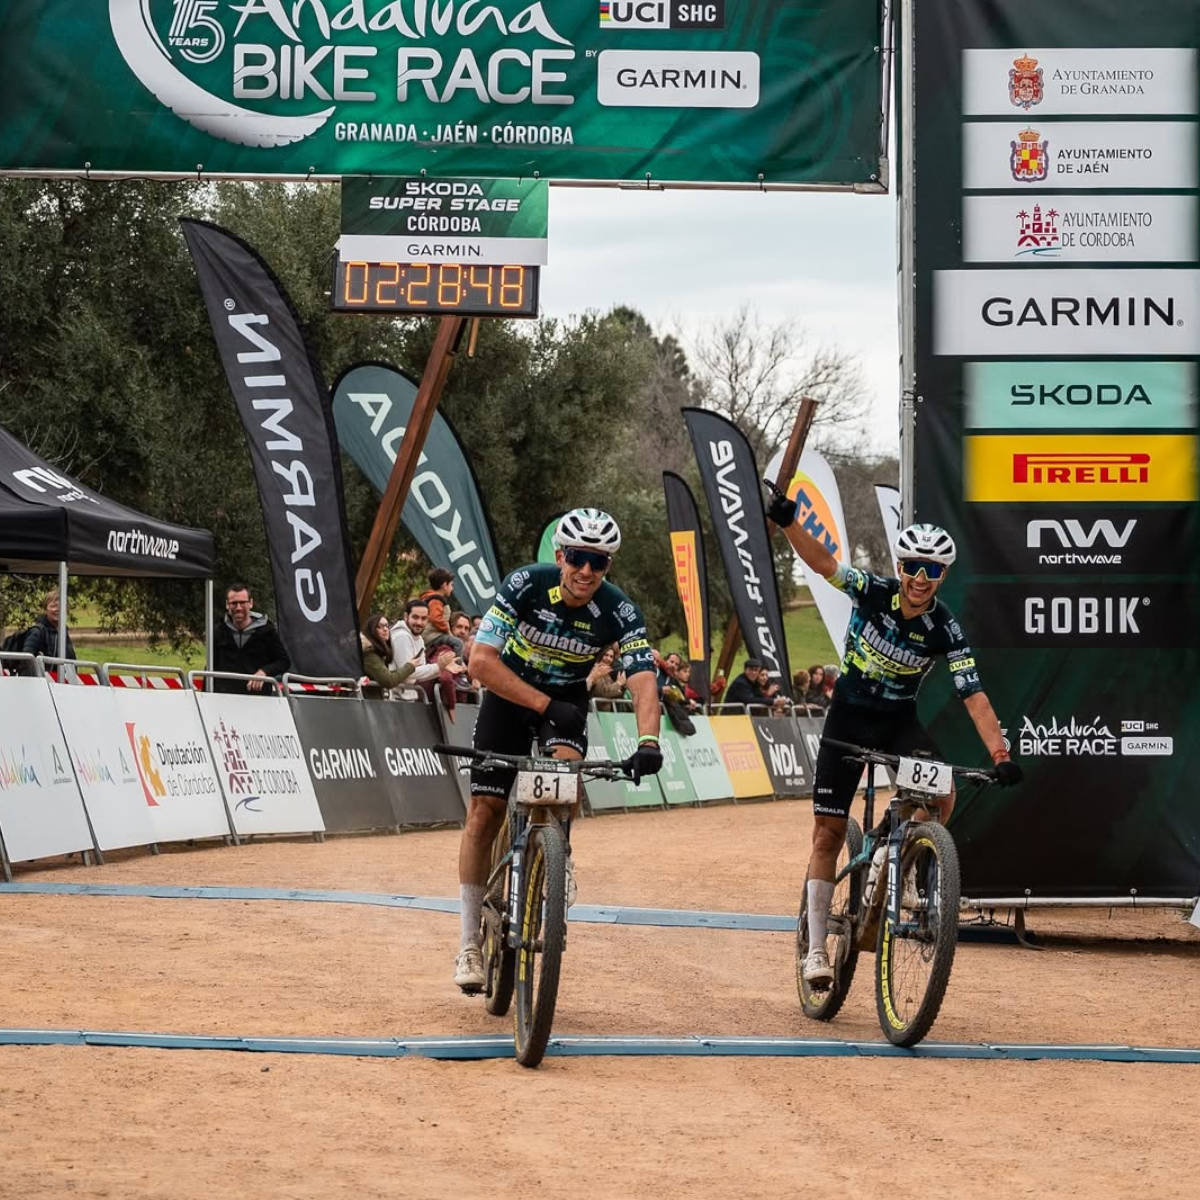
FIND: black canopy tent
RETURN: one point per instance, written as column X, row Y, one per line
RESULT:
column 52, row 524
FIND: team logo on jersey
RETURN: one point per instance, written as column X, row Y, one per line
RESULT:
column 1025, row 84
column 1029, row 160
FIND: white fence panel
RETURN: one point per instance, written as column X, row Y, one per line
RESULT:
column 41, row 810
column 260, row 764
column 104, row 765
column 173, row 764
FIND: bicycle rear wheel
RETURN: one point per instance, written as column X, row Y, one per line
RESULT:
column 499, row 959
column 914, row 956
column 543, row 932
column 841, row 942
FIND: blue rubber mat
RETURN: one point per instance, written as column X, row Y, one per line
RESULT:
column 485, row 1047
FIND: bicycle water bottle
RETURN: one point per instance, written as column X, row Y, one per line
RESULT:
column 877, row 861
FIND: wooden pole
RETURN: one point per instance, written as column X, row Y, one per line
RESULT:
column 787, row 468
column 441, row 359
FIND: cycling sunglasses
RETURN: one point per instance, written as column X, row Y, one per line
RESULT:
column 577, row 556
column 914, row 566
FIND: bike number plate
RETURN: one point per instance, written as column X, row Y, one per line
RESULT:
column 924, row 775
column 546, row 787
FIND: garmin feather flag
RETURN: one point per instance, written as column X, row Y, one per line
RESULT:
column 732, row 485
column 372, row 405
column 691, row 577
column 285, row 413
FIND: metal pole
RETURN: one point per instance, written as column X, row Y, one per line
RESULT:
column 908, row 282
column 209, row 631
column 61, row 652
column 450, row 331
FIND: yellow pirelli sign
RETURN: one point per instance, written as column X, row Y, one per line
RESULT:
column 1079, row 468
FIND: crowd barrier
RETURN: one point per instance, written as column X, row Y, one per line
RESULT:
column 135, row 764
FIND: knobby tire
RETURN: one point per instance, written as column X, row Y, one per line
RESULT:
column 499, row 959
column 543, row 932
column 912, row 970
column 843, row 940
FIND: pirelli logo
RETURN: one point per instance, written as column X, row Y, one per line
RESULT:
column 1080, row 468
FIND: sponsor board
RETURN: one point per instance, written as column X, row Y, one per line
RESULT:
column 1095, row 467
column 661, row 14
column 785, row 755
column 741, row 755
column 1133, row 81
column 421, row 784
column 1077, row 540
column 687, row 581
column 1079, row 395
column 1037, row 155
column 1028, row 314
column 1065, row 228
column 705, row 766
column 1087, row 737
column 677, row 78
column 1101, row 614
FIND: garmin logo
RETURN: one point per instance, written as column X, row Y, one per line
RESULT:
column 1088, row 615
column 1140, row 311
column 677, row 78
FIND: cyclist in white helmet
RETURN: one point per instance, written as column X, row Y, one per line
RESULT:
column 547, row 626
column 897, row 628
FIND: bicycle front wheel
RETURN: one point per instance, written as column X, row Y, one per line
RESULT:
column 914, row 954
column 841, row 941
column 543, row 933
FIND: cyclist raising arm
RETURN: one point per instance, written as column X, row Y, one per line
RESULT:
column 548, row 625
column 896, row 629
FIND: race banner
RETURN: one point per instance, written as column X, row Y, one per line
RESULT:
column 732, row 485
column 260, row 764
column 888, row 499
column 819, row 512
column 784, row 755
column 1057, row 293
column 691, row 576
column 753, row 93
column 741, row 755
column 544, row 552
column 285, row 413
column 372, row 405
column 444, row 220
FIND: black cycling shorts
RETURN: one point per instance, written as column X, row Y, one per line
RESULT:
column 894, row 732
column 510, row 728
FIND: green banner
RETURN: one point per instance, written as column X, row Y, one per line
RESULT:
column 674, row 778
column 1057, row 333
column 619, row 730
column 753, row 92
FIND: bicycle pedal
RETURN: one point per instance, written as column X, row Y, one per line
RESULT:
column 471, row 989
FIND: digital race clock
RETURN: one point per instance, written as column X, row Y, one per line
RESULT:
column 435, row 289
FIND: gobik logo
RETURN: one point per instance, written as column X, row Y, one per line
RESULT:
column 1086, row 615
column 662, row 14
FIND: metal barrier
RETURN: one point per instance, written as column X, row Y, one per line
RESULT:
column 140, row 672
column 332, row 686
column 193, row 677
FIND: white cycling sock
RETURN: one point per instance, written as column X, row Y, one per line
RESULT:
column 470, row 899
column 820, row 893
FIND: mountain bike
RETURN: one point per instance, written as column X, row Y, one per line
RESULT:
column 896, row 891
column 524, row 919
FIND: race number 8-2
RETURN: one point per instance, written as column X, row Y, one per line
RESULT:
column 924, row 775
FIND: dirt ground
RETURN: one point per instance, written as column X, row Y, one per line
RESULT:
column 116, row 1122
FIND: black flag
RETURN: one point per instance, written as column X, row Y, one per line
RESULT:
column 288, row 420
column 731, row 483
column 691, row 577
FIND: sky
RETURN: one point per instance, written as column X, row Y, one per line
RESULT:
column 687, row 259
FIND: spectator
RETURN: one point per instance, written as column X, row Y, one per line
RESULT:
column 800, row 680
column 452, row 672
column 42, row 636
column 667, row 667
column 815, row 696
column 716, row 689
column 606, row 681
column 408, row 643
column 441, row 584
column 460, row 627
column 747, row 687
column 377, row 651
column 476, row 621
column 246, row 643
column 691, row 697
column 831, row 675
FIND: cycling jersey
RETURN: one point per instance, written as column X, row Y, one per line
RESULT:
column 887, row 655
column 552, row 644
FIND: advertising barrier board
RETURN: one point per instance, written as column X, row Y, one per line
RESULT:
column 260, row 764
column 41, row 810
column 785, row 755
column 104, row 767
column 421, row 784
column 620, row 741
column 674, row 779
column 173, row 764
column 740, row 754
column 705, row 766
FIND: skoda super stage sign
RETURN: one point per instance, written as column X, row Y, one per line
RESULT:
column 727, row 91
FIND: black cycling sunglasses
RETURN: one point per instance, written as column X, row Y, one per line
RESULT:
column 577, row 556
column 914, row 566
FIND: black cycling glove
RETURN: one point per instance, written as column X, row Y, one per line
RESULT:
column 569, row 720
column 780, row 509
column 647, row 759
column 1008, row 773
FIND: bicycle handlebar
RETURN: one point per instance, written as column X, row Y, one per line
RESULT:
column 866, row 755
column 597, row 768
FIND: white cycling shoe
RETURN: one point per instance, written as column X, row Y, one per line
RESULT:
column 817, row 972
column 468, row 969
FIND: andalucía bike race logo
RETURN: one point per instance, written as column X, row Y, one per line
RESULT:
column 269, row 73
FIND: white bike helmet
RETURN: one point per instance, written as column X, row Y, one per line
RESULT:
column 926, row 541
column 590, row 529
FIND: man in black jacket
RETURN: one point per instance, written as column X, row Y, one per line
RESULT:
column 748, row 687
column 247, row 643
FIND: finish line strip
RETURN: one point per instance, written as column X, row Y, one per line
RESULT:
column 470, row 1047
